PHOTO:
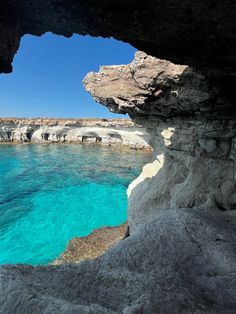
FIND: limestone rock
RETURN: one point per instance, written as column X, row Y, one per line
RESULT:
column 181, row 262
column 176, row 260
column 192, row 134
column 153, row 87
column 108, row 132
column 200, row 32
column 181, row 254
column 93, row 245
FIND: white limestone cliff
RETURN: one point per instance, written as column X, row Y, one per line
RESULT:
column 115, row 132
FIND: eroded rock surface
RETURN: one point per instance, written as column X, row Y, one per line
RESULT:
column 93, row 245
column 181, row 262
column 200, row 32
column 115, row 132
column 193, row 133
column 177, row 259
column 149, row 87
column 181, row 254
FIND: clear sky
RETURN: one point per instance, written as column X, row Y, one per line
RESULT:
column 48, row 73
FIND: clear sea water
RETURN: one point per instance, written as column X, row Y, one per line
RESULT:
column 52, row 193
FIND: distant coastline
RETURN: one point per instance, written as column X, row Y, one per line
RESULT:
column 114, row 132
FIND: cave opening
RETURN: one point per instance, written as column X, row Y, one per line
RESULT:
column 47, row 76
column 45, row 90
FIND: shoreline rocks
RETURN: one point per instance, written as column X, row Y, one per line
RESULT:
column 115, row 132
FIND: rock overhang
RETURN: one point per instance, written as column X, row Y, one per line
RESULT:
column 201, row 33
column 152, row 87
column 179, row 258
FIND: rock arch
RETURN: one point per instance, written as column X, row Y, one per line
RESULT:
column 181, row 255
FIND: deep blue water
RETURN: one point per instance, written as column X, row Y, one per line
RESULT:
column 52, row 193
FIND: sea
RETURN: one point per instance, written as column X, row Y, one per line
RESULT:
column 50, row 194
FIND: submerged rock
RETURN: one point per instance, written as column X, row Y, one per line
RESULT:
column 181, row 262
column 93, row 245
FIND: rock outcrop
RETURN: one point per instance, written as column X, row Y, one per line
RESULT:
column 181, row 262
column 200, row 33
column 114, row 132
column 193, row 132
column 181, row 255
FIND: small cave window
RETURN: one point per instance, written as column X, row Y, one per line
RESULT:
column 45, row 136
column 29, row 135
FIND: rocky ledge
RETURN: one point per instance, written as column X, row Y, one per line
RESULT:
column 117, row 132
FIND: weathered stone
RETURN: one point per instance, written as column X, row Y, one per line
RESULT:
column 191, row 132
column 200, row 32
column 152, row 87
column 181, row 254
column 114, row 132
column 181, row 262
column 176, row 260
column 91, row 246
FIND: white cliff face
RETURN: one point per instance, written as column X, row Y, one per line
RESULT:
column 193, row 132
column 195, row 168
column 116, row 133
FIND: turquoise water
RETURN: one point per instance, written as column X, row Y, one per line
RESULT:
column 52, row 193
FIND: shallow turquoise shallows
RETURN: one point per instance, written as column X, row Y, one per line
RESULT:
column 52, row 193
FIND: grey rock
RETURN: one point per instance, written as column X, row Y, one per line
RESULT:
column 181, row 262
column 181, row 254
column 200, row 33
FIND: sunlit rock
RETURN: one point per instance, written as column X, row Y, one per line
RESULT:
column 113, row 132
column 193, row 133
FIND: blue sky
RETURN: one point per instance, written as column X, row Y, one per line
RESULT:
column 48, row 73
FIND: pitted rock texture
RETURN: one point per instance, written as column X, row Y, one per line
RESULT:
column 93, row 245
column 153, row 87
column 176, row 260
column 180, row 256
column 193, row 134
column 200, row 32
column 115, row 132
column 195, row 168
column 181, row 262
